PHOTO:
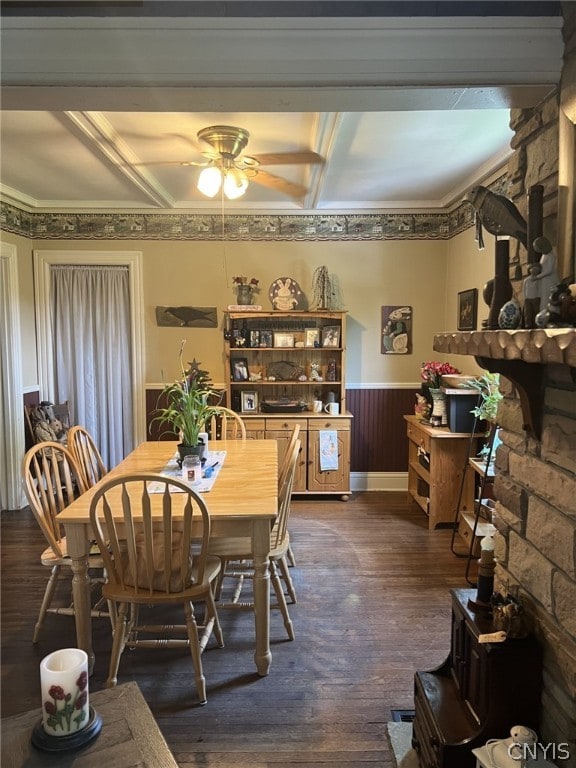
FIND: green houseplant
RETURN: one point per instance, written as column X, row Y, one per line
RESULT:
column 185, row 406
column 489, row 396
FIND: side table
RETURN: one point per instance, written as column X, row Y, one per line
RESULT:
column 129, row 736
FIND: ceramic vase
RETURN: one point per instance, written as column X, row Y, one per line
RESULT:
column 244, row 294
column 439, row 415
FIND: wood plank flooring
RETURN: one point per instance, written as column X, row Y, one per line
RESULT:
column 373, row 607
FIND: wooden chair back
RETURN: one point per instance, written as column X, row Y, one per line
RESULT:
column 285, row 463
column 147, row 553
column 87, row 455
column 52, row 480
column 226, row 424
column 280, row 529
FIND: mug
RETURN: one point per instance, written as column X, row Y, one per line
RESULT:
column 332, row 408
column 317, row 406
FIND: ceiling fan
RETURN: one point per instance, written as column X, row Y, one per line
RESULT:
column 225, row 167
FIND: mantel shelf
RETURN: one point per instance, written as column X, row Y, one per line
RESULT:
column 519, row 356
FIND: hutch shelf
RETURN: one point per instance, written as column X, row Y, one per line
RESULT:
column 279, row 365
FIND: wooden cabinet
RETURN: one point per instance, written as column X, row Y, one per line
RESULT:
column 437, row 467
column 479, row 693
column 271, row 358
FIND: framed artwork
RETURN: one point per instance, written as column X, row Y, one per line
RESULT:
column 249, row 402
column 331, row 336
column 283, row 339
column 312, row 337
column 467, row 309
column 265, row 338
column 396, row 330
column 239, row 367
column 254, row 338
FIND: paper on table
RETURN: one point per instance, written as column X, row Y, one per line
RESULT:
column 215, row 460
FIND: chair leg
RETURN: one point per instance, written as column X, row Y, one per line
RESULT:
column 46, row 601
column 291, row 558
column 277, row 584
column 195, row 651
column 211, row 612
column 287, row 579
column 118, row 640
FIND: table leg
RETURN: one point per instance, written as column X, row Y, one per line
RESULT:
column 78, row 544
column 261, row 549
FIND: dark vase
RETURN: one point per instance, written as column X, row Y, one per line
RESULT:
column 501, row 287
column 244, row 294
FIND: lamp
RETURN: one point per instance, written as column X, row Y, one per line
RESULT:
column 223, row 174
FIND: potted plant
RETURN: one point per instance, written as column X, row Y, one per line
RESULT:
column 185, row 406
column 488, row 390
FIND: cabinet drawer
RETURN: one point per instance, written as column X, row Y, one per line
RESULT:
column 329, row 422
column 419, row 437
column 285, row 424
column 253, row 424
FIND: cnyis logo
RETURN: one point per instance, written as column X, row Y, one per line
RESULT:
column 550, row 751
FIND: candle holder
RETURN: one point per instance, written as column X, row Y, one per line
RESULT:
column 68, row 721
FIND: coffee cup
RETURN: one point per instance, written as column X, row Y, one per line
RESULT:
column 317, row 406
column 332, row 408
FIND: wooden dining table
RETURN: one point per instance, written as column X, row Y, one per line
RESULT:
column 243, row 501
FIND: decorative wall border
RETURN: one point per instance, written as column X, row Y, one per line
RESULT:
column 186, row 226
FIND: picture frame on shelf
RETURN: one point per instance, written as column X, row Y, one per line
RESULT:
column 249, row 401
column 331, row 336
column 239, row 369
column 468, row 309
column 266, row 339
column 254, row 337
column 283, row 339
column 312, row 337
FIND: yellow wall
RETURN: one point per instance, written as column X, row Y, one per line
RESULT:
column 426, row 275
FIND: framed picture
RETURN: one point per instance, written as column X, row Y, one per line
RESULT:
column 254, row 338
column 312, row 337
column 467, row 309
column 396, row 330
column 249, row 402
column 283, row 339
column 239, row 367
column 265, row 338
column 331, row 336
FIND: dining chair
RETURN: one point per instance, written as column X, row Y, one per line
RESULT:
column 52, row 480
column 143, row 524
column 226, row 424
column 87, row 455
column 284, row 466
column 237, row 558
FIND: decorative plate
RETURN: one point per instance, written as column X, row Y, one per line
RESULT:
column 285, row 294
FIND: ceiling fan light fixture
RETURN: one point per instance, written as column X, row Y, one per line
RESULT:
column 209, row 181
column 235, row 183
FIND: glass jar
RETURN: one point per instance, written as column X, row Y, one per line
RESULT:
column 191, row 470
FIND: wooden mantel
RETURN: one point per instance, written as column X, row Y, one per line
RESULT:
column 519, row 356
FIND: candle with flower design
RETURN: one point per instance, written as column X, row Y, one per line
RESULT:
column 64, row 684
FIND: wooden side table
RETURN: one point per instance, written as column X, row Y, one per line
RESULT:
column 129, row 736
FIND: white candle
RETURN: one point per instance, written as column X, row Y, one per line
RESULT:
column 64, row 684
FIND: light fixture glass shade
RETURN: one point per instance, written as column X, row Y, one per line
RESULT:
column 209, row 181
column 235, row 183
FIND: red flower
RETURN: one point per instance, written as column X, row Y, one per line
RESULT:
column 81, row 700
column 50, row 708
column 432, row 372
column 82, row 681
column 57, row 692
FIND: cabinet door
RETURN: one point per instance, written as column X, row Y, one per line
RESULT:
column 283, row 438
column 332, row 480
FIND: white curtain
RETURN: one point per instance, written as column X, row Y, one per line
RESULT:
column 90, row 308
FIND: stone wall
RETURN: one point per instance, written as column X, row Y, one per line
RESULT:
column 535, row 483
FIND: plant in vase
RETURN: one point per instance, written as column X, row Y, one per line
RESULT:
column 488, row 388
column 431, row 374
column 185, row 406
column 245, row 289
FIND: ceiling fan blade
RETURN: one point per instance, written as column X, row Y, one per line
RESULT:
column 290, row 188
column 288, row 158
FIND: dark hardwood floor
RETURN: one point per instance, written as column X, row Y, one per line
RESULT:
column 373, row 607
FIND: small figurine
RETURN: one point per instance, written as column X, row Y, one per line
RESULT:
column 315, row 372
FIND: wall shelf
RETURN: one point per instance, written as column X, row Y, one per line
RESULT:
column 519, row 356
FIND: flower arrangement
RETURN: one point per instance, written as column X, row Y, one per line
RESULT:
column 253, row 282
column 432, row 372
